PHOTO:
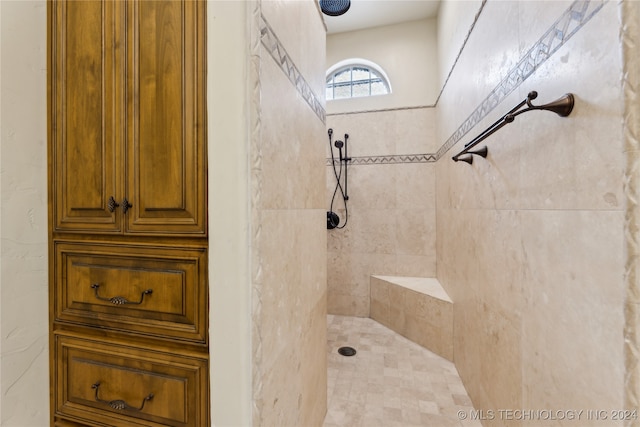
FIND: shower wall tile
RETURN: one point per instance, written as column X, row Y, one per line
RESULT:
column 530, row 240
column 291, row 19
column 288, row 212
column 374, row 231
column 416, row 266
column 577, row 288
column 577, row 161
column 498, row 340
column 498, row 32
column 294, row 368
column 347, row 304
column 313, row 366
column 414, row 232
column 380, row 133
column 488, row 183
column 290, row 148
column 379, row 300
column 391, row 227
column 534, row 20
column 289, row 373
column 415, row 186
column 348, row 277
column 414, row 130
column 292, row 301
column 397, row 312
column 487, row 58
column 370, row 134
column 371, row 186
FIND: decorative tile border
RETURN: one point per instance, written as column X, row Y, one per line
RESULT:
column 574, row 18
column 389, row 160
column 279, row 54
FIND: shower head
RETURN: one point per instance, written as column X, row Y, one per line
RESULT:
column 339, row 144
column 334, row 7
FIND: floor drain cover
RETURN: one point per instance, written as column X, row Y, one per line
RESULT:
column 347, row 351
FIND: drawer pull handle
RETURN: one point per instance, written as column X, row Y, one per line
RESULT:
column 120, row 300
column 120, row 404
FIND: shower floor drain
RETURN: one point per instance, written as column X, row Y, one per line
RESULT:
column 347, row 351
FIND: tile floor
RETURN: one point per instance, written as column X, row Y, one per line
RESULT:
column 391, row 381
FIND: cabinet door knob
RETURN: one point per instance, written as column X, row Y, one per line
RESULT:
column 125, row 205
column 112, row 204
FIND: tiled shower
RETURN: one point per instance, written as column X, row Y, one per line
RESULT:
column 536, row 245
column 529, row 243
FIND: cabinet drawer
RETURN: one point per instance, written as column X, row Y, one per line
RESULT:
column 149, row 290
column 120, row 385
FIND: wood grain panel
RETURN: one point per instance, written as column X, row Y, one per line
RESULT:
column 175, row 307
column 166, row 150
column 125, row 373
column 87, row 125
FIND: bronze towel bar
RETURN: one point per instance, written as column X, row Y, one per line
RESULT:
column 561, row 106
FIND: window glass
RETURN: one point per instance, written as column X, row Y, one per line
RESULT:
column 378, row 88
column 329, row 93
column 343, row 76
column 342, row 91
column 360, row 74
column 356, row 80
column 361, row 89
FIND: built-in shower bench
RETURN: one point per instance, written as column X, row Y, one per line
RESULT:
column 416, row 307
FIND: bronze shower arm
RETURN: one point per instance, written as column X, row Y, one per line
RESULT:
column 532, row 95
column 561, row 106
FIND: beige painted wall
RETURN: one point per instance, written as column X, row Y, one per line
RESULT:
column 24, row 342
column 235, row 250
column 406, row 52
column 229, row 213
column 530, row 240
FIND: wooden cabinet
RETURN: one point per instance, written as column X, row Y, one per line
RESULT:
column 114, row 384
column 128, row 213
column 128, row 117
column 152, row 290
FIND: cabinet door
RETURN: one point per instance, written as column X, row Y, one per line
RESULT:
column 166, row 153
column 87, row 112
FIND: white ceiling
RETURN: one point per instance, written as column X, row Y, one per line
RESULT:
column 373, row 13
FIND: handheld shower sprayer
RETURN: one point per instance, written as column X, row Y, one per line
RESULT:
column 339, row 144
column 333, row 220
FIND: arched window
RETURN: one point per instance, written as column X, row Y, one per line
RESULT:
column 355, row 78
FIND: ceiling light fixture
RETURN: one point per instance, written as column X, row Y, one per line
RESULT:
column 334, row 7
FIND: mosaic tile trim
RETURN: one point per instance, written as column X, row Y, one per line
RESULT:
column 389, row 160
column 574, row 18
column 279, row 54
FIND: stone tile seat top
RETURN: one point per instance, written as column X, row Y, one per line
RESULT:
column 424, row 285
